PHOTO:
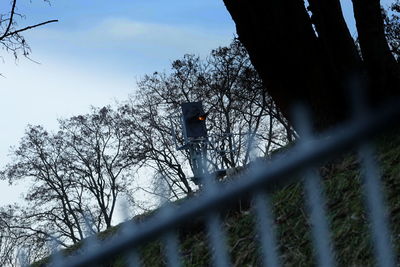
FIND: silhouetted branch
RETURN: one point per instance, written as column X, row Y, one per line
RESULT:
column 28, row 28
column 11, row 20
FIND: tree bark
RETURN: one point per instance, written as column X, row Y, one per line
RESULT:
column 381, row 66
column 334, row 36
column 309, row 60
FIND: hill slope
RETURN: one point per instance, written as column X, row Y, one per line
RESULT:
column 347, row 217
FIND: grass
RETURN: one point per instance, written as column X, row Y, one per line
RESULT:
column 346, row 215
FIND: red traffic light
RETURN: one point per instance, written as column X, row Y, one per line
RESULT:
column 194, row 120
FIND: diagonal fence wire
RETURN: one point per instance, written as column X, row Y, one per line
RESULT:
column 376, row 207
column 265, row 229
column 315, row 196
column 217, row 241
column 278, row 171
column 216, row 235
column 372, row 187
column 172, row 249
column 318, row 218
column 56, row 257
column 265, row 226
column 131, row 256
column 171, row 245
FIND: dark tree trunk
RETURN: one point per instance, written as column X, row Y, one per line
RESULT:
column 381, row 66
column 310, row 60
column 335, row 39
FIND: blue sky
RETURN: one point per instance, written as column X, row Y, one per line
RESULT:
column 95, row 54
column 136, row 36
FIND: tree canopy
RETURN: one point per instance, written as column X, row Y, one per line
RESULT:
column 77, row 173
column 75, row 177
column 242, row 119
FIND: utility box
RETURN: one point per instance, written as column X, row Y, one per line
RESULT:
column 193, row 120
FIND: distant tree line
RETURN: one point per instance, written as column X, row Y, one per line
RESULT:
column 77, row 173
column 75, row 176
column 242, row 117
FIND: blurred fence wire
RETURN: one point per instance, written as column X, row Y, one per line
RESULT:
column 303, row 158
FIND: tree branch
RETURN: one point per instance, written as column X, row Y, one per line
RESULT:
column 11, row 20
column 27, row 28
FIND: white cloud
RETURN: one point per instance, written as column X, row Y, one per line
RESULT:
column 182, row 36
column 128, row 34
column 128, row 30
column 125, row 30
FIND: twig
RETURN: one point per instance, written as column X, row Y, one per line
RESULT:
column 11, row 20
column 29, row 27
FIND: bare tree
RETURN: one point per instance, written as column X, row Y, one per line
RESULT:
column 151, row 137
column 76, row 175
column 241, row 116
column 53, row 193
column 99, row 157
column 18, row 241
column 11, row 38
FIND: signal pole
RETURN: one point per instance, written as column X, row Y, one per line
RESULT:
column 195, row 137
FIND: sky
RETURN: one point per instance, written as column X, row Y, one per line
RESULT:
column 95, row 54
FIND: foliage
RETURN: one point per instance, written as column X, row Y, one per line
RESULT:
column 392, row 28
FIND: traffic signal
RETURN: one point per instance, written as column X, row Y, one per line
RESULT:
column 194, row 120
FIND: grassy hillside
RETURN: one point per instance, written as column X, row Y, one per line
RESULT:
column 346, row 214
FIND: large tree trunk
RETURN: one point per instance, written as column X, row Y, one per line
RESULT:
column 310, row 60
column 381, row 66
